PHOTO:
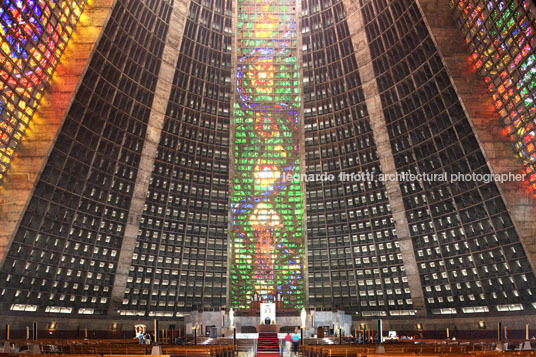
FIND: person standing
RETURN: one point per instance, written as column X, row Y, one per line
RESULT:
column 148, row 338
column 295, row 343
column 139, row 336
column 288, row 343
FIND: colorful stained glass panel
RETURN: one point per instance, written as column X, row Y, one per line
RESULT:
column 267, row 242
column 33, row 35
column 501, row 38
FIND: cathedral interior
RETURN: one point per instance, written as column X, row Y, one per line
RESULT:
column 161, row 159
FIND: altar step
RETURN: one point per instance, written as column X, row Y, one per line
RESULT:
column 268, row 344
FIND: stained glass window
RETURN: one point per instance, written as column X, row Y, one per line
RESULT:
column 267, row 251
column 500, row 36
column 34, row 34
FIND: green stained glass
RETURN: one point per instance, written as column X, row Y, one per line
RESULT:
column 267, row 211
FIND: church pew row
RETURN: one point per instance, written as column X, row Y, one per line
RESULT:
column 139, row 350
column 399, row 350
column 456, row 354
column 79, row 341
column 187, row 352
column 104, row 349
column 214, row 350
column 445, row 354
column 171, row 351
column 22, row 354
column 395, row 348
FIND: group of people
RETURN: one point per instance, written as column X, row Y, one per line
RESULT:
column 291, row 343
column 144, row 338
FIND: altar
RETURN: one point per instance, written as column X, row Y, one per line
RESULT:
column 266, row 317
column 268, row 328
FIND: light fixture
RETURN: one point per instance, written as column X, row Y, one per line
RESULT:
column 419, row 326
column 363, row 326
column 114, row 326
column 52, row 325
column 481, row 325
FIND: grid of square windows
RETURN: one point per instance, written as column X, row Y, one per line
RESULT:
column 467, row 249
column 354, row 260
column 180, row 258
column 66, row 248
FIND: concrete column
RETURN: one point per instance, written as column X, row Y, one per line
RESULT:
column 303, row 170
column 150, row 146
column 381, row 137
column 232, row 130
column 496, row 147
column 34, row 149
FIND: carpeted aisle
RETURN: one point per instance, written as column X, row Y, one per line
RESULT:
column 268, row 344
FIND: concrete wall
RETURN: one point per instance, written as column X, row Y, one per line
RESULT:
column 96, row 327
column 334, row 320
column 432, row 327
column 206, row 318
column 462, row 323
column 221, row 321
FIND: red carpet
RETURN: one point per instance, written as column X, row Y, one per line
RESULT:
column 268, row 344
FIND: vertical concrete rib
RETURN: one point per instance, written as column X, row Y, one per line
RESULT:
column 302, row 155
column 34, row 150
column 154, row 128
column 232, row 130
column 485, row 122
column 381, row 137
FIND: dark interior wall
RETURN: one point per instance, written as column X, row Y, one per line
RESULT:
column 64, row 253
column 180, row 258
column 75, row 328
column 469, row 254
column 354, row 260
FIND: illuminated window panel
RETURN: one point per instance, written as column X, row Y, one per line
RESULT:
column 34, row 34
column 267, row 201
column 500, row 36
